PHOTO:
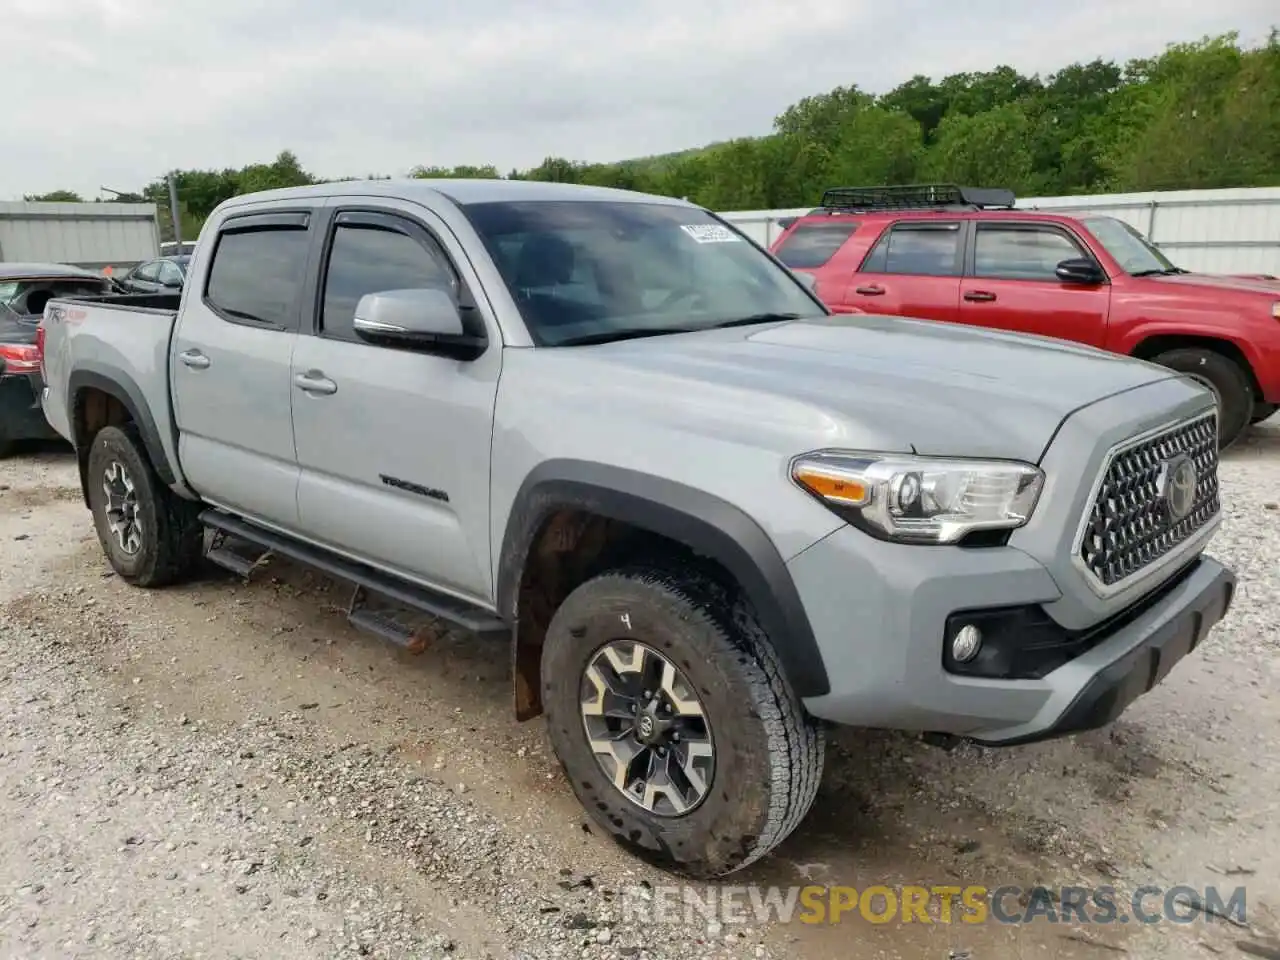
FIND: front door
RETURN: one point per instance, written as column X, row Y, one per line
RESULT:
column 1010, row 284
column 230, row 367
column 393, row 444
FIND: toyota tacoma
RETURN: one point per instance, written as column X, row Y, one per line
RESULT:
column 709, row 516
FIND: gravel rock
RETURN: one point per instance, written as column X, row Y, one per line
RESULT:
column 226, row 770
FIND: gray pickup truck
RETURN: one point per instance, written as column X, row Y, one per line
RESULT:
column 709, row 516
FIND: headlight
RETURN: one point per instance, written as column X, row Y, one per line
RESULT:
column 920, row 499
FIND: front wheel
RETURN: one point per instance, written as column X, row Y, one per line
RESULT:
column 151, row 536
column 669, row 712
column 1226, row 381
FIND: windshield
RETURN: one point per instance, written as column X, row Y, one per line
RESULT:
column 592, row 271
column 1130, row 249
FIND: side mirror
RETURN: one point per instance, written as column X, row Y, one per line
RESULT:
column 1079, row 270
column 427, row 319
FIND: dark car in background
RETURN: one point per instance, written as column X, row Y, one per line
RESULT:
column 25, row 288
column 161, row 275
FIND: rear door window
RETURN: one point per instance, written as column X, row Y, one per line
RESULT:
column 921, row 249
column 257, row 275
column 811, row 244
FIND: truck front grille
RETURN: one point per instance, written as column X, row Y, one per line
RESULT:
column 1133, row 521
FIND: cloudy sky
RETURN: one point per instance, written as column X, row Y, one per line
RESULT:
column 114, row 92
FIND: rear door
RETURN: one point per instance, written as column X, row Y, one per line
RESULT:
column 1010, row 283
column 393, row 444
column 912, row 271
column 230, row 375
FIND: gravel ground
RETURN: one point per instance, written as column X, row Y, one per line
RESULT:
column 228, row 770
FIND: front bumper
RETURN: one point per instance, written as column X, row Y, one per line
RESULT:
column 21, row 415
column 879, row 612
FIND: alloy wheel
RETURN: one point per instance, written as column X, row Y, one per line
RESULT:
column 647, row 728
column 122, row 507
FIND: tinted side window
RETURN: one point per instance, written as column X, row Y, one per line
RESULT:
column 810, row 245
column 169, row 273
column 257, row 274
column 366, row 259
column 929, row 250
column 1021, row 254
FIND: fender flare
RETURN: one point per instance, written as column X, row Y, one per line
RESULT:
column 122, row 387
column 704, row 523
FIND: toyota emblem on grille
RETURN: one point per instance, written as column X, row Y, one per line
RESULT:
column 1178, row 485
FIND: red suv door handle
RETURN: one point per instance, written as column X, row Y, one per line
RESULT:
column 874, row 291
column 979, row 296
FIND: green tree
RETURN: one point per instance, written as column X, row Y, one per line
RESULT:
column 987, row 149
column 463, row 172
column 55, row 196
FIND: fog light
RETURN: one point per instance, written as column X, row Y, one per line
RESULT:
column 966, row 643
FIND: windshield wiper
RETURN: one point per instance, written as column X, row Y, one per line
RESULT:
column 610, row 336
column 1158, row 273
column 752, row 319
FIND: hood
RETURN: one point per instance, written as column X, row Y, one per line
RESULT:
column 880, row 383
column 1218, row 281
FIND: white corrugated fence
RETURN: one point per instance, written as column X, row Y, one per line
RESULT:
column 90, row 235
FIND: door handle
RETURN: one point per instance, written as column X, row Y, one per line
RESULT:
column 194, row 359
column 979, row 296
column 313, row 381
column 873, row 291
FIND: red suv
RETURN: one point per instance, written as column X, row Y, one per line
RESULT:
column 965, row 255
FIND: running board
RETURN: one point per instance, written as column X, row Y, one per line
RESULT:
column 424, row 600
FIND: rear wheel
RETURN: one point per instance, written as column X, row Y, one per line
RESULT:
column 672, row 719
column 151, row 536
column 1224, row 378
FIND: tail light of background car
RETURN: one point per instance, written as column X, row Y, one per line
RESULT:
column 21, row 358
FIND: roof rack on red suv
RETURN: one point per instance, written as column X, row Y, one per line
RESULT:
column 921, row 196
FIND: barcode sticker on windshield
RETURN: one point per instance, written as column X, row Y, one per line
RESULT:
column 711, row 233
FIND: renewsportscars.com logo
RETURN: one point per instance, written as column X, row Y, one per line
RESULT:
column 973, row 904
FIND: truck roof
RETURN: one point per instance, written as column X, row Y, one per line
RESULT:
column 460, row 191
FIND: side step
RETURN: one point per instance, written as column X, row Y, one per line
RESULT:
column 421, row 599
column 383, row 623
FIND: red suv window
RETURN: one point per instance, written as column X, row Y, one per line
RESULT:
column 811, row 244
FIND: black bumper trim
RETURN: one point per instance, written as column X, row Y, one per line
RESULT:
column 21, row 416
column 1117, row 685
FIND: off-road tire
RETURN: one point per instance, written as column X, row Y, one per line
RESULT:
column 172, row 538
column 769, row 751
column 1228, row 381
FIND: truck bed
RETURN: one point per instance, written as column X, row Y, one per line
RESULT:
column 120, row 340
